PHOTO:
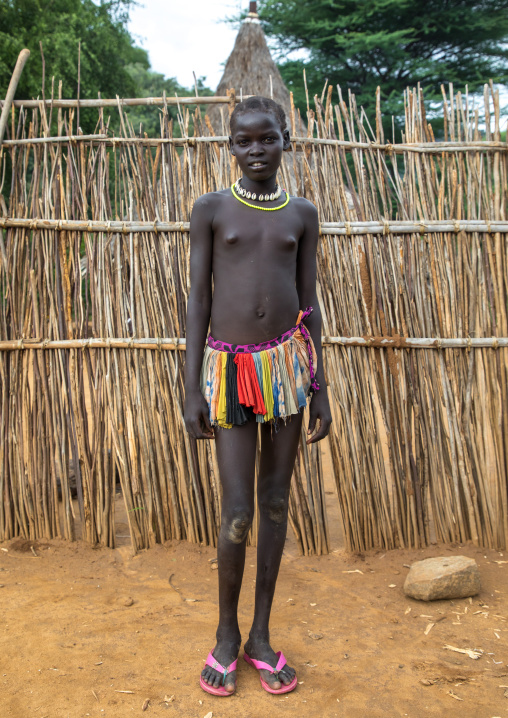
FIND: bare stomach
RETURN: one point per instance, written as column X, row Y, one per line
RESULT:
column 246, row 312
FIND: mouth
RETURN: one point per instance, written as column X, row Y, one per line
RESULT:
column 257, row 165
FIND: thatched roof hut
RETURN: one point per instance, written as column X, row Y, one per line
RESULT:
column 250, row 70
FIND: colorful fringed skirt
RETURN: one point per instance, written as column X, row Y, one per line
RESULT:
column 264, row 382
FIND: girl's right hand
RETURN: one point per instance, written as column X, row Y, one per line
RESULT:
column 197, row 421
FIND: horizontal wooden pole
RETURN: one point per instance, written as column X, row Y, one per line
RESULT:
column 51, row 140
column 125, row 102
column 400, row 148
column 340, row 228
column 113, row 141
column 78, row 225
column 413, row 226
column 176, row 343
column 419, row 147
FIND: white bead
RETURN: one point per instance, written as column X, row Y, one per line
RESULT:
column 272, row 196
column 261, row 198
column 249, row 195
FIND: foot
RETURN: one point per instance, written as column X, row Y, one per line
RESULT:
column 260, row 650
column 225, row 652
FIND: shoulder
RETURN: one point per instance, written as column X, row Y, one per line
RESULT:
column 205, row 207
column 306, row 210
column 304, row 207
column 210, row 200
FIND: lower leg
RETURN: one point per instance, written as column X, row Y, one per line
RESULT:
column 236, row 457
column 278, row 455
column 271, row 540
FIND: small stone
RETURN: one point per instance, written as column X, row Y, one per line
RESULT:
column 444, row 577
column 214, row 566
column 316, row 636
column 127, row 601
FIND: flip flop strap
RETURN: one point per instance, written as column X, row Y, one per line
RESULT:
column 281, row 662
column 213, row 663
column 261, row 664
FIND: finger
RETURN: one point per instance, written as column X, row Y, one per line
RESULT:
column 204, row 428
column 324, row 428
column 204, row 435
column 312, row 424
column 208, row 426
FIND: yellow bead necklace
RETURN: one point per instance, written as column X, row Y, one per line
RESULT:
column 255, row 206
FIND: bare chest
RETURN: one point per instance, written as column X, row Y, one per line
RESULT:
column 242, row 233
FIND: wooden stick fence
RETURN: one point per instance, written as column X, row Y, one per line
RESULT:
column 412, row 259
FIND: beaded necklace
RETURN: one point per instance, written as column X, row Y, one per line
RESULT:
column 252, row 195
column 255, row 206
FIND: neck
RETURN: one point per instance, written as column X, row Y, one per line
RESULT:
column 266, row 186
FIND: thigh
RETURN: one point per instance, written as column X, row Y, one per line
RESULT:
column 278, row 453
column 236, row 457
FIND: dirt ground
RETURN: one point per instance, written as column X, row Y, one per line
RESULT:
column 99, row 632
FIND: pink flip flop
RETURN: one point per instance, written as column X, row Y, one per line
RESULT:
column 258, row 665
column 220, row 691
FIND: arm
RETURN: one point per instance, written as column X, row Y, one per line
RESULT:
column 198, row 316
column 306, row 288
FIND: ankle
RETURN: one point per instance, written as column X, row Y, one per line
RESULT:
column 228, row 635
column 259, row 635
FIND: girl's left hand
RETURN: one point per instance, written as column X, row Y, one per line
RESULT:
column 319, row 409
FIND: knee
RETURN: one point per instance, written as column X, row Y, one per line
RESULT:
column 276, row 508
column 238, row 525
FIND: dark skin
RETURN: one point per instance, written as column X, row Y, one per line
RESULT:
column 263, row 266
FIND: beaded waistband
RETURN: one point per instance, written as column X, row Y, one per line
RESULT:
column 263, row 346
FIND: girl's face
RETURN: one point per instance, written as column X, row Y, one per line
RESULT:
column 257, row 142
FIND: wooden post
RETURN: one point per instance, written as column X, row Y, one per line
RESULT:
column 11, row 90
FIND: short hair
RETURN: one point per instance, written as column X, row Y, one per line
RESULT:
column 256, row 103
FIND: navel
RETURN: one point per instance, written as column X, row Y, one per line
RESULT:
column 232, row 239
column 260, row 312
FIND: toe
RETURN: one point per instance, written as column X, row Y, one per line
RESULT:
column 286, row 675
column 217, row 680
column 230, row 682
column 272, row 680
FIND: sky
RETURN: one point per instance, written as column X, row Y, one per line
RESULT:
column 182, row 36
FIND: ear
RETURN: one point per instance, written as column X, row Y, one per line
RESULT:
column 286, row 142
column 231, row 148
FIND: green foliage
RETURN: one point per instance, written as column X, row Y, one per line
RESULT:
column 110, row 63
column 106, row 46
column 362, row 44
column 153, row 84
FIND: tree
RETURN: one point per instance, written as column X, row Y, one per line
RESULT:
column 362, row 44
column 106, row 46
column 153, row 84
column 110, row 62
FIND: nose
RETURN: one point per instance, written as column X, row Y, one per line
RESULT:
column 256, row 148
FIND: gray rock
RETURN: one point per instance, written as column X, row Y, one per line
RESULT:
column 444, row 577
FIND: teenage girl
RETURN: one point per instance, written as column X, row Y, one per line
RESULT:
column 262, row 359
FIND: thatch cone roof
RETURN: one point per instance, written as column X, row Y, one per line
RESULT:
column 250, row 70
